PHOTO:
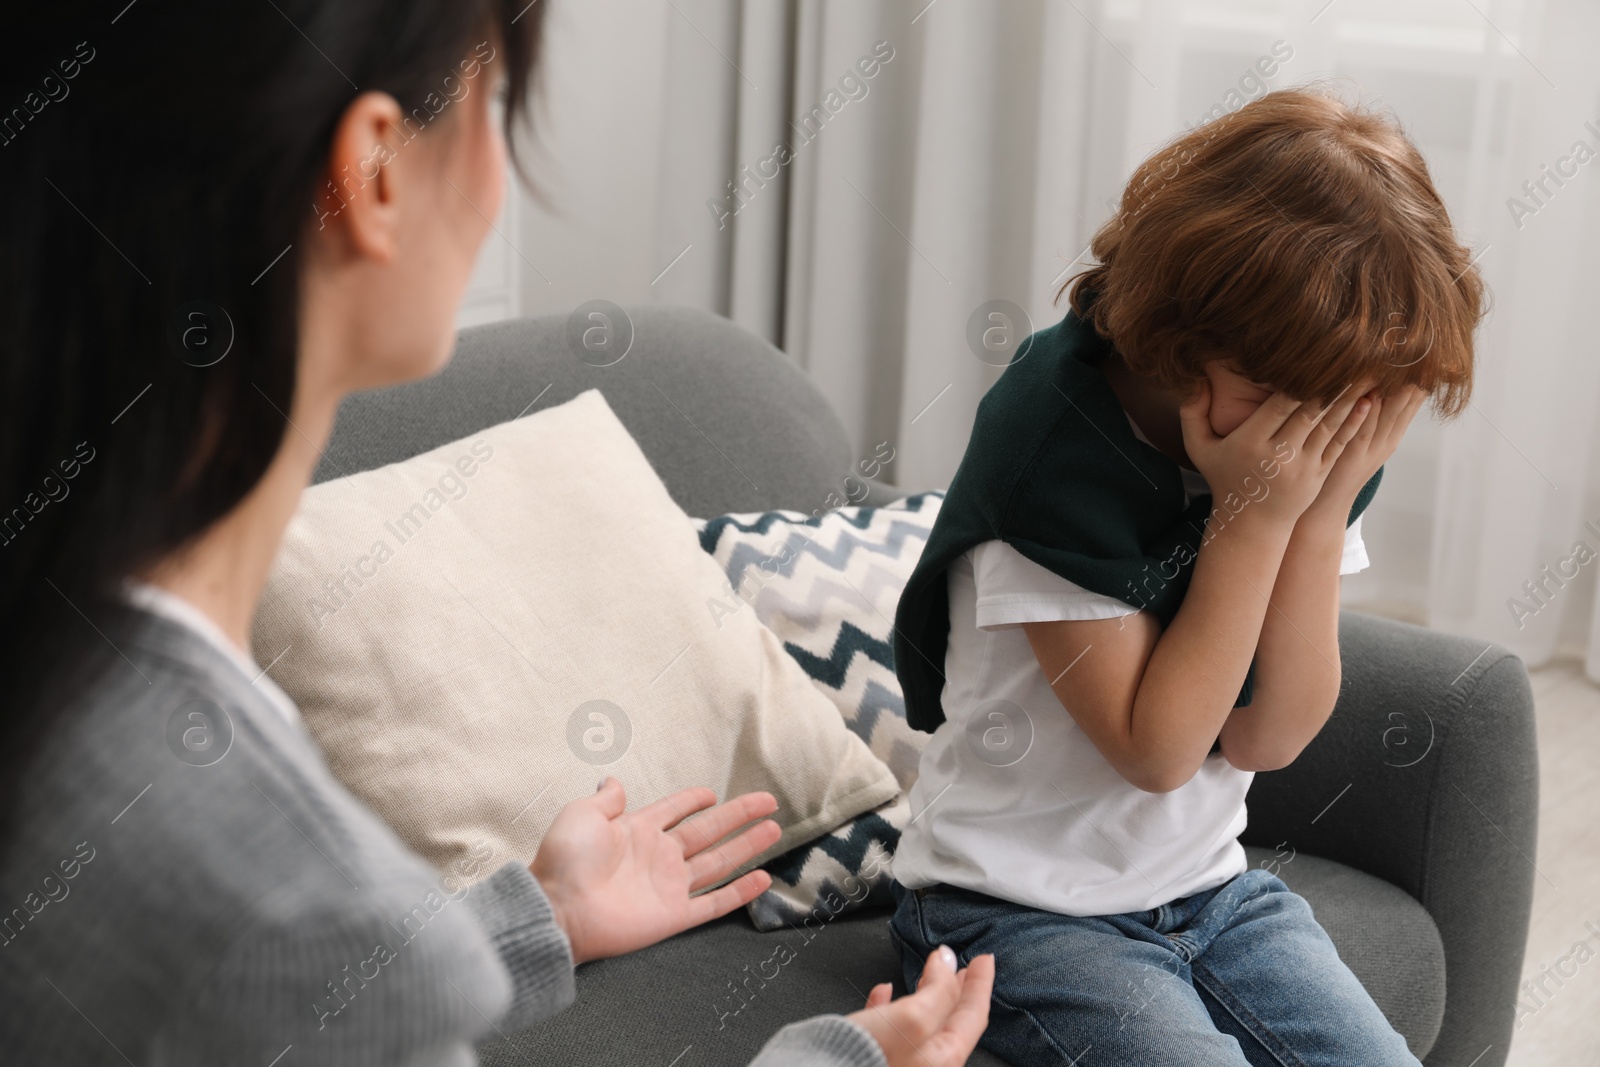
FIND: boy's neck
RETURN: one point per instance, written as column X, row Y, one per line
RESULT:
column 1152, row 407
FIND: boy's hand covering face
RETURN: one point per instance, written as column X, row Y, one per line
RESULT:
column 1293, row 445
column 1369, row 440
column 1234, row 397
column 1386, row 423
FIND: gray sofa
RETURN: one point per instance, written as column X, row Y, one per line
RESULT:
column 1408, row 824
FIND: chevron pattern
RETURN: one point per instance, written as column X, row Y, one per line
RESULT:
column 852, row 640
column 827, row 586
column 889, row 542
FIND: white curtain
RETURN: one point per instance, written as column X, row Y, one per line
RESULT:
column 993, row 136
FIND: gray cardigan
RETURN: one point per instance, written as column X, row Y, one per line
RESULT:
column 226, row 901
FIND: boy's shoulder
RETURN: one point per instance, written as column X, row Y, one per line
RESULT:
column 1051, row 468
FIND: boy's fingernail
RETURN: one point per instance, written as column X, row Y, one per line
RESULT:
column 948, row 956
column 602, row 784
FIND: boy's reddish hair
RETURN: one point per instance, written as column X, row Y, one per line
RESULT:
column 1299, row 238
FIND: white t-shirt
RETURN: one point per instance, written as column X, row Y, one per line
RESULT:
column 1013, row 800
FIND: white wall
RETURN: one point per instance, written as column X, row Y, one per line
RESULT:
column 589, row 231
column 595, row 151
column 495, row 290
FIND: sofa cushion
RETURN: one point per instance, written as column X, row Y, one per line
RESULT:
column 476, row 635
column 826, row 585
column 716, row 993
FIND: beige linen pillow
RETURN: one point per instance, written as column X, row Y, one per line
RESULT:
column 479, row 634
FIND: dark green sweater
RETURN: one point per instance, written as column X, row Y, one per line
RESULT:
column 1053, row 469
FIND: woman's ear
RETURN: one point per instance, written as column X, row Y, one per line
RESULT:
column 357, row 205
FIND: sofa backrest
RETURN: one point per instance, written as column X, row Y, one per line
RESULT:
column 728, row 422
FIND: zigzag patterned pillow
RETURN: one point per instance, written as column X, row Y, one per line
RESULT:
column 827, row 586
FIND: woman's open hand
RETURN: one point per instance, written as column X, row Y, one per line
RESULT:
column 619, row 882
column 939, row 1024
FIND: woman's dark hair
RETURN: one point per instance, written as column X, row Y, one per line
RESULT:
column 159, row 162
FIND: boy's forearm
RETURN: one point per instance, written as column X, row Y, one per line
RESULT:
column 1198, row 665
column 1297, row 662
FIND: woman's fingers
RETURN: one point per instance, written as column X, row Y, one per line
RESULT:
column 970, row 1016
column 675, row 807
column 951, row 1008
column 610, row 797
column 701, row 833
column 674, row 810
column 938, row 985
column 736, row 894
column 938, row 1025
column 711, row 865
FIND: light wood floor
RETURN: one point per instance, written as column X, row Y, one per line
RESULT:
column 1565, row 1028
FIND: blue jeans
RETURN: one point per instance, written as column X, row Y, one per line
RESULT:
column 1241, row 974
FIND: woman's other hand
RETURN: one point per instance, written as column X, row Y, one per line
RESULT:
column 939, row 1024
column 619, row 882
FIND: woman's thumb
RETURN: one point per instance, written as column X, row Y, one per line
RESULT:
column 941, row 964
column 611, row 797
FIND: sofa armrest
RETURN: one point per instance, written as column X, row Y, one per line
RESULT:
column 1427, row 776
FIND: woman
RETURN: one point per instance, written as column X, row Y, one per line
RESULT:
column 218, row 222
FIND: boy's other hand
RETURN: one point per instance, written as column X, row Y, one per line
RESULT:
column 1380, row 433
column 1278, row 458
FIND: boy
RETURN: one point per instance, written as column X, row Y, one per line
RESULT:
column 1129, row 602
